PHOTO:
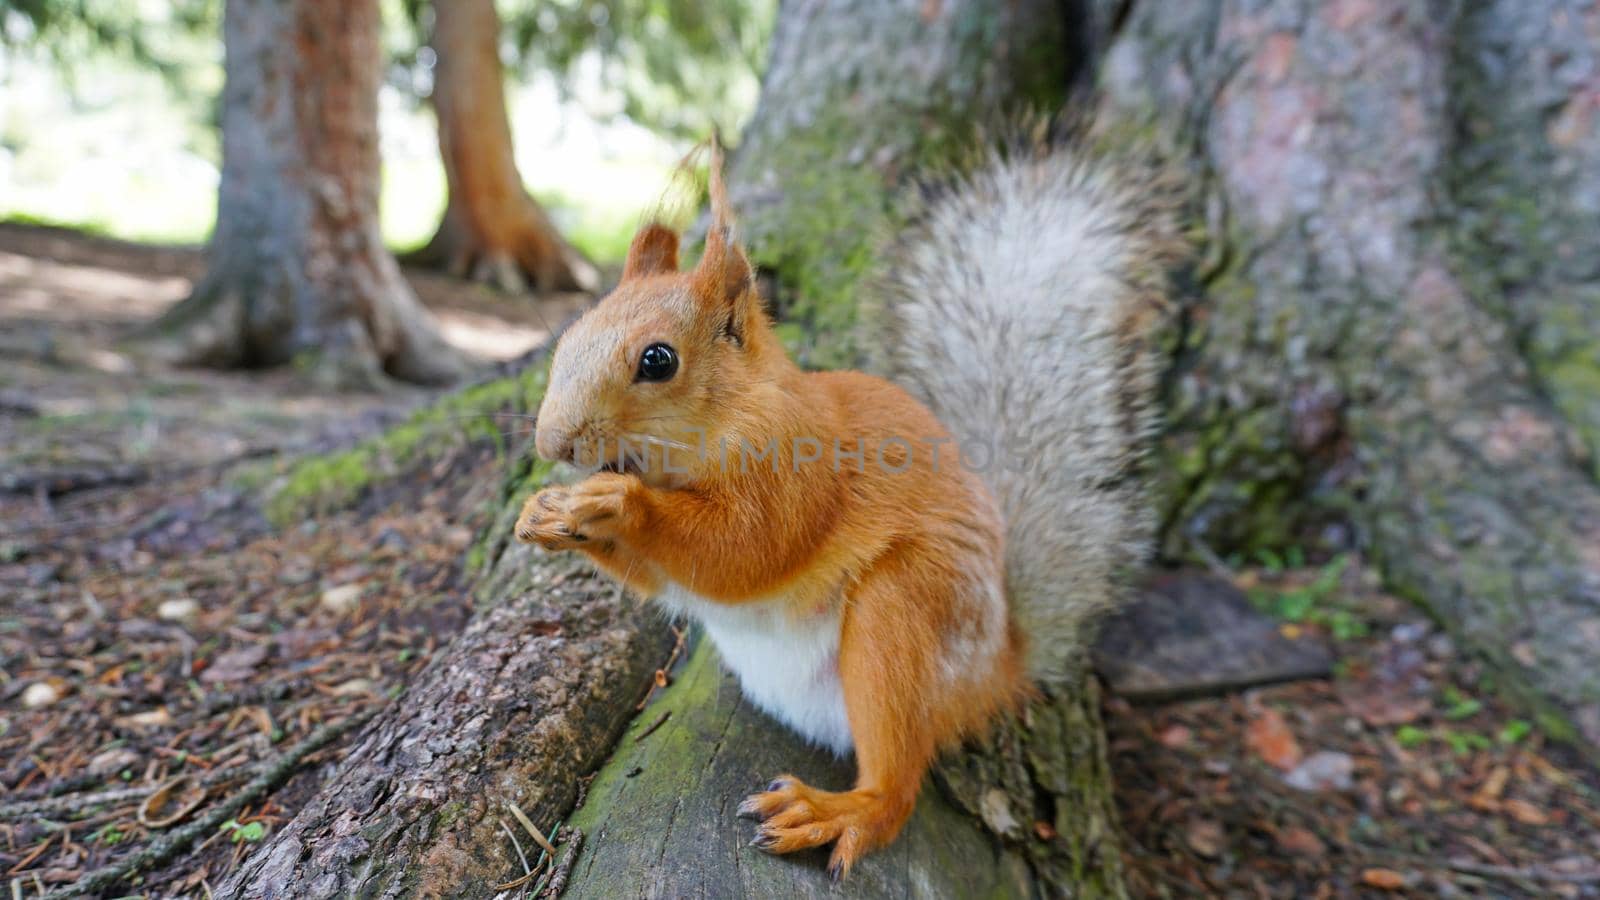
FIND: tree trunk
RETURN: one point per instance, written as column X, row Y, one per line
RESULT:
column 1398, row 328
column 659, row 817
column 491, row 230
column 298, row 270
column 858, row 98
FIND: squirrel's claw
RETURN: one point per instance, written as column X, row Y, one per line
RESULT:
column 598, row 506
column 565, row 518
column 542, row 522
column 795, row 816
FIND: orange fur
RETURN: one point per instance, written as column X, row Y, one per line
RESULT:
column 895, row 553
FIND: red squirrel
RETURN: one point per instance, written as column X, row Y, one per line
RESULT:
column 875, row 584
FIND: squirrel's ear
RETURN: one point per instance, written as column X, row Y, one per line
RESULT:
column 723, row 276
column 654, row 251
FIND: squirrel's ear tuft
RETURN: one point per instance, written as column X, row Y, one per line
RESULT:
column 723, row 276
column 654, row 251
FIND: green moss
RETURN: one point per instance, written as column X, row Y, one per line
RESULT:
column 448, row 814
column 333, row 481
column 820, row 245
column 1573, row 380
column 842, row 173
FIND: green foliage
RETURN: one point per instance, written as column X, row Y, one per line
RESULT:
column 248, row 834
column 682, row 67
column 1409, row 736
column 1460, row 706
column 1514, row 731
column 1313, row 602
column 151, row 33
column 1462, row 743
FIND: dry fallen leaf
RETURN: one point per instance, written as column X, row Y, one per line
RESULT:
column 1270, row 738
column 1381, row 708
column 352, row 687
column 1301, row 842
column 342, row 599
column 179, row 609
column 166, row 805
column 1430, row 777
column 1526, row 812
column 235, row 665
column 154, row 718
column 1383, row 879
column 1487, row 797
column 1205, row 837
column 1325, row 770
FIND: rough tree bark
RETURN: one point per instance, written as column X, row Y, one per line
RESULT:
column 492, row 229
column 857, row 98
column 298, row 270
column 1398, row 328
column 522, row 706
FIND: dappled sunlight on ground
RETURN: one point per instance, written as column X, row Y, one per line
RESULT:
column 88, row 408
column 61, row 292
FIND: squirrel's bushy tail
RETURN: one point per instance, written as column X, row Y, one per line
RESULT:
column 1019, row 305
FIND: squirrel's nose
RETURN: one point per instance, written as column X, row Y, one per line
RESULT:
column 553, row 443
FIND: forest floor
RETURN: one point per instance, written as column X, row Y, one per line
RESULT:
column 163, row 646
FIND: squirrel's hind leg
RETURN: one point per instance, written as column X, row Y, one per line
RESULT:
column 902, row 704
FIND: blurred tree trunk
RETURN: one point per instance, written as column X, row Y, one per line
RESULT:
column 492, row 229
column 298, row 270
column 1400, row 328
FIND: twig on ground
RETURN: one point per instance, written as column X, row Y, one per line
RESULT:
column 72, row 803
column 37, row 851
column 527, row 825
column 563, row 869
column 662, row 720
column 76, row 802
column 1525, row 873
column 174, row 841
column 681, row 634
column 1209, row 557
column 527, row 872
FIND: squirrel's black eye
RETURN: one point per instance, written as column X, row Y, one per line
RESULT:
column 658, row 362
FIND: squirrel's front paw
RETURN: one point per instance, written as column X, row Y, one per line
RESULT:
column 565, row 518
column 599, row 507
column 543, row 521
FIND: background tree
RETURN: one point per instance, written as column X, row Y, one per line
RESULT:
column 492, row 229
column 681, row 67
column 297, row 268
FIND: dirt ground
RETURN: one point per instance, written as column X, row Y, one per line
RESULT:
column 162, row 645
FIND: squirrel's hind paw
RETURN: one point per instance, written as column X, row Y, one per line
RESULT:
column 797, row 817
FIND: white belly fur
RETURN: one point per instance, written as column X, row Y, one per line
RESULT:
column 787, row 665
